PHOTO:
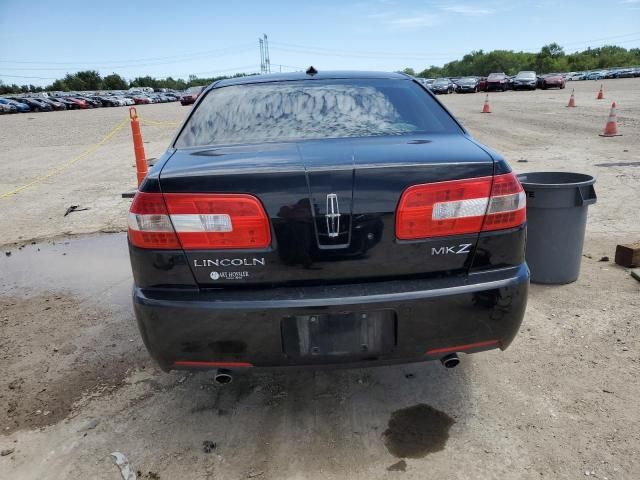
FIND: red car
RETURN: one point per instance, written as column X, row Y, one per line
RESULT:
column 552, row 80
column 191, row 95
column 497, row 81
column 79, row 102
column 139, row 99
column 482, row 84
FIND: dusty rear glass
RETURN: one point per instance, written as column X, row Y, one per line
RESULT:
column 313, row 109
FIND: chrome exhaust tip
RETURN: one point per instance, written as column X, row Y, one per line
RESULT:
column 450, row 361
column 223, row 377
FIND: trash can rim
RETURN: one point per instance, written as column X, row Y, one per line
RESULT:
column 589, row 180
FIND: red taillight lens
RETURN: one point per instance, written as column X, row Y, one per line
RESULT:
column 218, row 221
column 149, row 223
column 460, row 206
column 198, row 221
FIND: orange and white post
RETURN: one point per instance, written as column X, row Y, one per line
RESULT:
column 138, row 146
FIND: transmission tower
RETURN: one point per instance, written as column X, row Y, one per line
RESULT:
column 262, row 64
column 267, row 61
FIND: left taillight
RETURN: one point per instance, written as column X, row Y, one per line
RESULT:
column 198, row 221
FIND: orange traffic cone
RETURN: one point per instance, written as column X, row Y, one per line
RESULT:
column 611, row 128
column 486, row 108
column 600, row 93
column 572, row 100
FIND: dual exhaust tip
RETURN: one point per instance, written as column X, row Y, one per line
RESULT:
column 224, row 377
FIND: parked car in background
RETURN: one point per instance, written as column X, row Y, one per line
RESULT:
column 19, row 106
column 422, row 81
column 35, row 104
column 552, row 80
column 577, row 76
column 106, row 100
column 442, row 85
column 365, row 244
column 7, row 107
column 482, row 84
column 497, row 81
column 55, row 104
column 139, row 99
column 525, row 80
column 80, row 102
column 598, row 75
column 468, row 85
column 68, row 103
column 93, row 103
column 625, row 73
column 190, row 95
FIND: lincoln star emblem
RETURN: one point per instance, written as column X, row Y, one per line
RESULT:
column 333, row 215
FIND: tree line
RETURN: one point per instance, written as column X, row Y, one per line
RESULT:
column 92, row 80
column 550, row 58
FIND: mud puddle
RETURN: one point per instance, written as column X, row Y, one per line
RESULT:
column 67, row 327
column 416, row 431
column 87, row 266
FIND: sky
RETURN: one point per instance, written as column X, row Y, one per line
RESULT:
column 43, row 40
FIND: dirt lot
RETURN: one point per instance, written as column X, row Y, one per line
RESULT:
column 76, row 384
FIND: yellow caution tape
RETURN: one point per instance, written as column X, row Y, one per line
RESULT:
column 144, row 121
column 64, row 166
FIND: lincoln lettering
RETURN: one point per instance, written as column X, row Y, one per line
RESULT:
column 230, row 262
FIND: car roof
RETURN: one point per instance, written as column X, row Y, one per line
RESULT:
column 291, row 76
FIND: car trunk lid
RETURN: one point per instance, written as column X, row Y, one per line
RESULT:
column 331, row 205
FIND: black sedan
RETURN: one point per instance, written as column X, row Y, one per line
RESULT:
column 324, row 219
column 468, row 85
column 106, row 101
column 525, row 80
column 443, row 85
column 55, row 104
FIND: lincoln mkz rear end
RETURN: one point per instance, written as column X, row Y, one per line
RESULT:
column 327, row 219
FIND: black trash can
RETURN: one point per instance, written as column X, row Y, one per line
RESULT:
column 557, row 205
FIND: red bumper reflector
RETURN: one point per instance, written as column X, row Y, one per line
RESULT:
column 185, row 363
column 462, row 348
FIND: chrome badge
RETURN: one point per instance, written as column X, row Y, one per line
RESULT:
column 333, row 215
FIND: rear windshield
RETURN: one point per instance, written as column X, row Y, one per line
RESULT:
column 313, row 109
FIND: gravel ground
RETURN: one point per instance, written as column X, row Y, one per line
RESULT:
column 562, row 402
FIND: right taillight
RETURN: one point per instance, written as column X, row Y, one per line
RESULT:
column 458, row 207
column 198, row 221
column 507, row 205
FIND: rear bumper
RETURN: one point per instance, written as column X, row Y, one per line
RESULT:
column 186, row 329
